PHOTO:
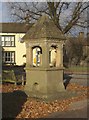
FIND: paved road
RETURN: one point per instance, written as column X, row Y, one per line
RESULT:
column 79, row 78
column 82, row 113
column 76, row 110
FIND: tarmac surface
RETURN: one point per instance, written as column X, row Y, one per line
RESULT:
column 77, row 109
column 79, row 113
column 78, row 78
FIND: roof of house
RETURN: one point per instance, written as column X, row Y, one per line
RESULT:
column 44, row 28
column 14, row 27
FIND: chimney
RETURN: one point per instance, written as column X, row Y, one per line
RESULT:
column 81, row 35
column 87, row 35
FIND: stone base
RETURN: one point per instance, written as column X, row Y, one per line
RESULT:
column 44, row 81
column 45, row 84
column 51, row 96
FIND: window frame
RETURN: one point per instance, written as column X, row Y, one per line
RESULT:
column 3, row 57
column 4, row 41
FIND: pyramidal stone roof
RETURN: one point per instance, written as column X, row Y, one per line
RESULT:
column 44, row 28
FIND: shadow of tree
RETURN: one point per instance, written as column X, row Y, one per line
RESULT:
column 66, row 79
column 12, row 103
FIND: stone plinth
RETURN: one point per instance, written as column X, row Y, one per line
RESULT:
column 44, row 83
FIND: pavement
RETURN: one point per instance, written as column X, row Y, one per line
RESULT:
column 82, row 113
column 77, row 109
column 78, row 78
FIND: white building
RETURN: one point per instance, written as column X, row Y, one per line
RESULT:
column 10, row 40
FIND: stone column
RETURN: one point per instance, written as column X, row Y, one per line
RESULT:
column 45, row 55
column 59, row 58
column 29, row 56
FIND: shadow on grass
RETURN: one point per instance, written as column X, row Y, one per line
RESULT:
column 12, row 103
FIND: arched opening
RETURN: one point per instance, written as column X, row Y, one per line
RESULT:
column 52, row 56
column 37, row 56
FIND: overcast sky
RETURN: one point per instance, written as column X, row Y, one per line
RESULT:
column 4, row 12
column 0, row 12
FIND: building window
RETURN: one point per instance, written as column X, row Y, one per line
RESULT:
column 8, row 40
column 9, row 57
